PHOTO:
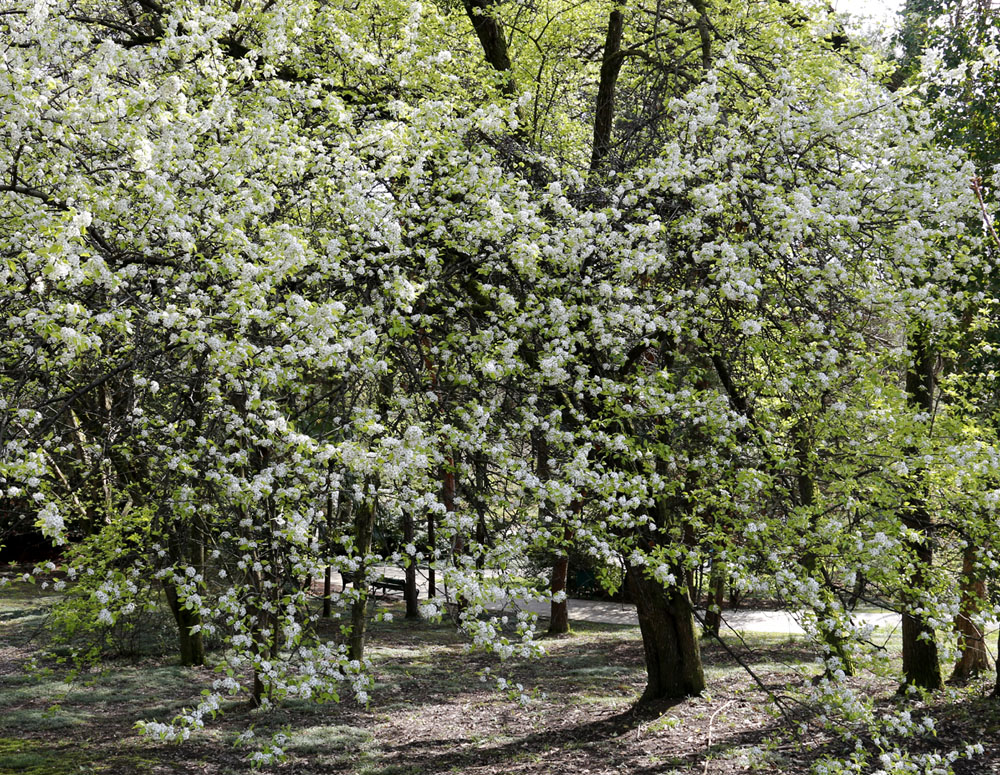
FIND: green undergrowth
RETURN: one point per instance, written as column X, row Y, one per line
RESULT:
column 21, row 756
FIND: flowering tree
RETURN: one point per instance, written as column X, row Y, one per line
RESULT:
column 268, row 263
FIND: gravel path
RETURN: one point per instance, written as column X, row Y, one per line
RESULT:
column 747, row 621
column 623, row 613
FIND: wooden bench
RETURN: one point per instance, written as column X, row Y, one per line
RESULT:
column 387, row 583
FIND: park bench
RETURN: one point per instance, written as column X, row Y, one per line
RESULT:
column 387, row 583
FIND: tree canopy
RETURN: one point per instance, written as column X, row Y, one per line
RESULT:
column 668, row 283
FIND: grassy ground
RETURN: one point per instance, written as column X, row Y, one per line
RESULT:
column 429, row 713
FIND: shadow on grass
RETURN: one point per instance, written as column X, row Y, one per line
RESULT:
column 422, row 664
column 421, row 669
column 607, row 741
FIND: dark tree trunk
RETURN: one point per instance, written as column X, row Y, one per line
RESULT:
column 192, row 645
column 973, row 659
column 559, row 616
column 449, row 491
column 604, row 113
column 186, row 549
column 431, row 544
column 996, row 687
column 666, row 621
column 259, row 690
column 716, row 593
column 328, row 573
column 327, row 592
column 559, row 611
column 858, row 591
column 921, row 664
column 704, row 31
column 482, row 483
column 492, row 39
column 410, row 592
column 735, row 596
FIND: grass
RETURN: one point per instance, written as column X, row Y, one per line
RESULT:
column 430, row 714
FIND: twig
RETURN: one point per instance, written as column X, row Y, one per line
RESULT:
column 708, row 746
column 977, row 187
column 749, row 671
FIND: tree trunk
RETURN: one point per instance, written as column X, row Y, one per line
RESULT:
column 328, row 573
column 364, row 528
column 810, row 563
column 492, row 38
column 604, row 110
column 186, row 549
column 482, row 482
column 410, row 592
column 559, row 611
column 258, row 690
column 860, row 582
column 449, row 491
column 192, row 645
column 666, row 621
column 716, row 593
column 431, row 544
column 559, row 616
column 996, row 687
column 973, row 659
column 921, row 665
column 327, row 592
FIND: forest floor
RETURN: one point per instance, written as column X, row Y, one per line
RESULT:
column 430, row 713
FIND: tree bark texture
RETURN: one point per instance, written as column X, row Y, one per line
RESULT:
column 491, row 38
column 364, row 528
column 558, row 611
column 192, row 645
column 611, row 65
column 480, row 498
column 327, row 592
column 559, row 614
column 973, row 659
column 921, row 664
column 410, row 591
column 431, row 544
column 669, row 640
column 716, row 593
column 186, row 549
column 328, row 572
